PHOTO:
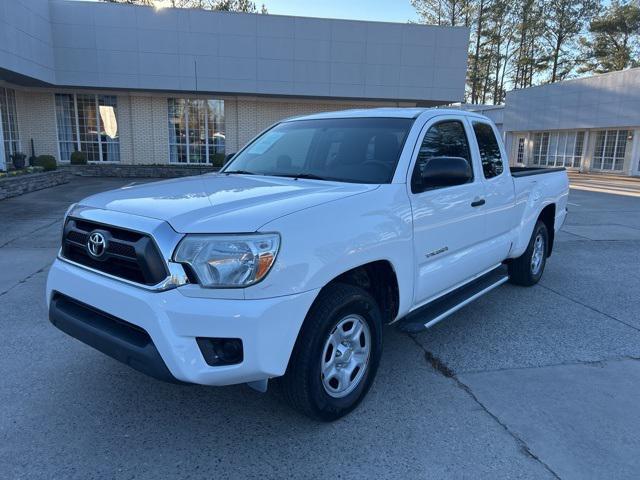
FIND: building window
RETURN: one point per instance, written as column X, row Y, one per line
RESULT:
column 11, row 140
column 88, row 123
column 557, row 149
column 611, row 148
column 196, row 131
column 540, row 148
column 520, row 155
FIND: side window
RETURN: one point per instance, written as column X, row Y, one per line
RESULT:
column 489, row 150
column 444, row 139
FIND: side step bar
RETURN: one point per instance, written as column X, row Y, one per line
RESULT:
column 431, row 313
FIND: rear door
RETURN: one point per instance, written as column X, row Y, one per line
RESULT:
column 499, row 194
column 448, row 222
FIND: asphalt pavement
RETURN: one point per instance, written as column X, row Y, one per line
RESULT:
column 537, row 382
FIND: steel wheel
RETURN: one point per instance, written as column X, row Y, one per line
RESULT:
column 345, row 356
column 538, row 254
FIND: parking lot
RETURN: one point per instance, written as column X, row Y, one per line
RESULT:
column 538, row 382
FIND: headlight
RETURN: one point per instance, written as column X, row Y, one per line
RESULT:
column 228, row 261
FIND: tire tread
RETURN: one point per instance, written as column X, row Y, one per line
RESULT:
column 520, row 268
column 294, row 384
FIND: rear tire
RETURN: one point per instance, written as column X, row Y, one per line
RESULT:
column 336, row 356
column 527, row 269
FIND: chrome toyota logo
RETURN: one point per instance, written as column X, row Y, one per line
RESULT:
column 96, row 244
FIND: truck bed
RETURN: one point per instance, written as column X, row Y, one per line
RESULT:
column 526, row 171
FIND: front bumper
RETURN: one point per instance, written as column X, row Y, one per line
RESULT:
column 268, row 327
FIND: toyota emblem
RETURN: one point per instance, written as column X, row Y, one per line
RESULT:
column 96, row 244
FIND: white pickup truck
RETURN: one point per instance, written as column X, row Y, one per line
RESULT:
column 289, row 261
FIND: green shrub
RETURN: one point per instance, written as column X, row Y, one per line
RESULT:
column 48, row 162
column 217, row 160
column 78, row 158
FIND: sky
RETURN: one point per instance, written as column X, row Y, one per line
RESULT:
column 378, row 10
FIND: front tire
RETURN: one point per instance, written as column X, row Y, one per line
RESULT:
column 337, row 353
column 527, row 269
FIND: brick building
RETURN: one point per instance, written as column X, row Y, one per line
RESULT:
column 136, row 85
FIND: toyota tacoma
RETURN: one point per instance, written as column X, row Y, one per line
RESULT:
column 288, row 262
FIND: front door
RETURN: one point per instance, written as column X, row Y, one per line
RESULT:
column 448, row 222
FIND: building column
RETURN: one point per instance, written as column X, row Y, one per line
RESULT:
column 634, row 164
column 528, row 149
column 587, row 153
column 3, row 161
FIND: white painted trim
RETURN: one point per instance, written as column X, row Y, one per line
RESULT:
column 585, row 160
column 55, row 112
column 3, row 160
column 75, row 108
column 635, row 153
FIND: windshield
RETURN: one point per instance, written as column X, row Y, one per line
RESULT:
column 359, row 150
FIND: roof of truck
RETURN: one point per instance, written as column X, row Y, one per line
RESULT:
column 386, row 112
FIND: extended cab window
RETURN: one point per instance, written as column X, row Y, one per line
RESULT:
column 358, row 150
column 444, row 139
column 489, row 150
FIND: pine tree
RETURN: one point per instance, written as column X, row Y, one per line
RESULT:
column 565, row 20
column 613, row 42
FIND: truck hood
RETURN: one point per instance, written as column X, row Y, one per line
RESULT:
column 219, row 203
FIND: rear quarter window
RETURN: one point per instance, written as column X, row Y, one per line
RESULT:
column 489, row 147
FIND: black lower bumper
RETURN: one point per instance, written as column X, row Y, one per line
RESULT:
column 112, row 336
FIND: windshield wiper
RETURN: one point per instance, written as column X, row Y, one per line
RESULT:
column 310, row 176
column 239, row 172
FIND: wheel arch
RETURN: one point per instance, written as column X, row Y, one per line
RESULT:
column 379, row 278
column 548, row 217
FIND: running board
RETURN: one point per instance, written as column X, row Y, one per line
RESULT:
column 431, row 313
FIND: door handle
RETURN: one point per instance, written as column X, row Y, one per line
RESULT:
column 477, row 203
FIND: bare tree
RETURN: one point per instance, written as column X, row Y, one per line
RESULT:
column 450, row 13
column 565, row 20
column 246, row 6
column 473, row 60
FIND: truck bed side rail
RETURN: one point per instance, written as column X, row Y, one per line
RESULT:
column 527, row 171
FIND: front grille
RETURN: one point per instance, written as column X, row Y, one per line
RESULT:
column 129, row 255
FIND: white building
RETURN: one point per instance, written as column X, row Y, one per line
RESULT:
column 587, row 124
column 134, row 85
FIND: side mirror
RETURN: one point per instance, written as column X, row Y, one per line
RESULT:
column 445, row 172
